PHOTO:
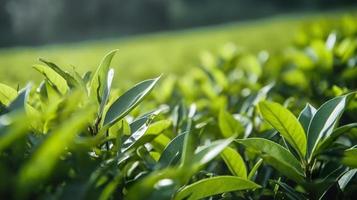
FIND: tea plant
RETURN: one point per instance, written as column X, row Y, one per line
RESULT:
column 225, row 130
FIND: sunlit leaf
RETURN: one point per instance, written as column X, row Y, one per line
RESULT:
column 128, row 101
column 71, row 82
column 7, row 94
column 350, row 158
column 100, row 78
column 322, row 123
column 286, row 123
column 234, row 162
column 215, row 185
column 276, row 156
column 228, row 125
column 56, row 80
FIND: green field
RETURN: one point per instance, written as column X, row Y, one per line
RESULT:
column 152, row 54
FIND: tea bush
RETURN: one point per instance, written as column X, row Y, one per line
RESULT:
column 240, row 126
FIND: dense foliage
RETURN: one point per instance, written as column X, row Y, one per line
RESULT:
column 240, row 126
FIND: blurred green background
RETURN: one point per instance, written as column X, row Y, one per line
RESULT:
column 153, row 36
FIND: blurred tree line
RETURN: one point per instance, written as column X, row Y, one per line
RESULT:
column 33, row 22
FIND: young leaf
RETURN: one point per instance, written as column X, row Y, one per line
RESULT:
column 323, row 121
column 286, row 123
column 255, row 169
column 71, row 82
column 100, row 77
column 7, row 94
column 106, row 92
column 212, row 186
column 20, row 101
column 128, row 101
column 56, row 80
column 276, row 156
column 228, row 125
column 234, row 162
column 306, row 115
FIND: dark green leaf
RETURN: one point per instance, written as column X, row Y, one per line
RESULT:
column 306, row 116
column 128, row 101
column 322, row 123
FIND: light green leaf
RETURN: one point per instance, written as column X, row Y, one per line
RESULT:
column 306, row 116
column 212, row 186
column 17, row 129
column 56, row 80
column 205, row 154
column 234, row 162
column 71, row 81
column 228, row 125
column 276, row 156
column 7, row 94
column 286, row 123
column 350, row 158
column 322, row 123
column 128, row 101
column 99, row 78
column 255, row 169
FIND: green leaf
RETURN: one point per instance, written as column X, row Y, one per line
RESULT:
column 306, row 115
column 255, row 169
column 213, row 186
column 290, row 192
column 40, row 165
column 286, row 123
column 322, row 123
column 145, row 134
column 7, row 94
column 100, row 77
column 350, row 158
column 56, row 80
column 71, row 81
column 172, row 151
column 152, row 186
column 234, row 162
column 276, row 156
column 20, row 101
column 324, row 144
column 106, row 92
column 346, row 178
column 228, row 125
column 128, row 101
column 206, row 153
column 16, row 130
